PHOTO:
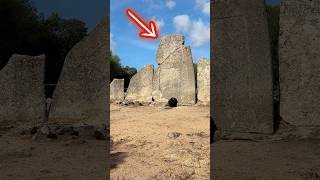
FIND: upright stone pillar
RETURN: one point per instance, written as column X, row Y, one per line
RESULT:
column 203, row 81
column 117, row 90
column 242, row 67
column 81, row 92
column 22, row 97
column 175, row 73
column 140, row 86
column 299, row 59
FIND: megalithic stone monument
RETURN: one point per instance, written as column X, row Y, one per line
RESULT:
column 140, row 86
column 22, row 97
column 242, row 68
column 299, row 59
column 117, row 90
column 81, row 92
column 203, row 81
column 175, row 74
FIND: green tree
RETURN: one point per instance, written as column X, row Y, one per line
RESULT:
column 23, row 31
column 65, row 32
column 62, row 35
column 20, row 29
column 120, row 72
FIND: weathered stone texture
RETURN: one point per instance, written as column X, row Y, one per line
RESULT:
column 81, row 92
column 299, row 59
column 22, row 96
column 140, row 86
column 175, row 73
column 117, row 90
column 203, row 81
column 242, row 68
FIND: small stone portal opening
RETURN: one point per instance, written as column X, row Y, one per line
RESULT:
column 172, row 102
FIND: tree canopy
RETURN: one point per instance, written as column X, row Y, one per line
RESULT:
column 120, row 72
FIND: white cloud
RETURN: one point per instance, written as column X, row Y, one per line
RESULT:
column 200, row 33
column 170, row 4
column 159, row 22
column 112, row 43
column 152, row 4
column 197, row 31
column 182, row 23
column 204, row 5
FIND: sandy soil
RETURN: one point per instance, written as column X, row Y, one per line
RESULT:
column 158, row 143
column 65, row 158
column 271, row 160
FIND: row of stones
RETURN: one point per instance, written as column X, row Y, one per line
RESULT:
column 81, row 92
column 148, row 92
column 174, row 78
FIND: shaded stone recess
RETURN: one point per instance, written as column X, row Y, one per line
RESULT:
column 203, row 81
column 81, row 92
column 299, row 59
column 22, row 97
column 140, row 87
column 117, row 90
column 175, row 75
column 242, row 69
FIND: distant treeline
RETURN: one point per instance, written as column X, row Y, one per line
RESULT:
column 121, row 72
column 24, row 31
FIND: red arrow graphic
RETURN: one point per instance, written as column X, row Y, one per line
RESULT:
column 148, row 31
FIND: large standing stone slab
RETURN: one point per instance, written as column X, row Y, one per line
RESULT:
column 22, row 96
column 175, row 73
column 81, row 92
column 117, row 90
column 300, row 62
column 203, row 81
column 242, row 67
column 140, row 86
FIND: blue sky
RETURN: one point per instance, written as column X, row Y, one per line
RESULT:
column 189, row 17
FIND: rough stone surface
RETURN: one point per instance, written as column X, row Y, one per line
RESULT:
column 22, row 96
column 203, row 81
column 242, row 68
column 81, row 92
column 117, row 90
column 175, row 75
column 299, row 51
column 140, row 86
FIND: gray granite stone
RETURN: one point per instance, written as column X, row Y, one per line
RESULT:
column 22, row 97
column 175, row 75
column 140, row 86
column 241, row 77
column 81, row 92
column 117, row 90
column 299, row 59
column 203, row 81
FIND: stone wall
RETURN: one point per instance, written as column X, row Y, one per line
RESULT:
column 299, row 51
column 22, row 96
column 242, row 70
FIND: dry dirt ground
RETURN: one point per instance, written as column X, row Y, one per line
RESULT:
column 64, row 158
column 270, row 160
column 142, row 148
column 159, row 143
